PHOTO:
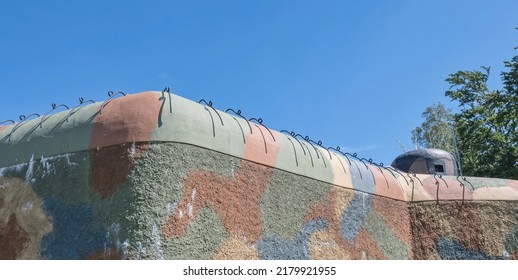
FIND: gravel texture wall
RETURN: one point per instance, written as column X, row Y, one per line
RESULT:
column 156, row 176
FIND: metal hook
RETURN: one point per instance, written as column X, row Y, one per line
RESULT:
column 210, row 105
column 306, row 138
column 463, row 187
column 264, row 140
column 362, row 160
column 319, row 143
column 440, row 177
column 212, row 119
column 12, row 122
column 339, row 159
column 168, row 90
column 207, row 103
column 337, row 149
column 238, row 113
column 413, row 187
column 389, row 168
column 309, row 152
column 111, row 95
column 292, row 134
column 294, row 150
column 437, row 184
column 260, row 121
column 345, row 155
column 23, row 118
column 54, row 107
column 316, row 150
column 382, row 173
column 466, row 180
column 81, row 102
column 415, row 176
column 241, row 128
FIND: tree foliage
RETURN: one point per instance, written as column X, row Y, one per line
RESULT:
column 436, row 131
column 486, row 122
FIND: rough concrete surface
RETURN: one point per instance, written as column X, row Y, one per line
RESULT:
column 131, row 180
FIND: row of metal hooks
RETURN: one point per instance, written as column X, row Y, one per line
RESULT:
column 304, row 141
column 54, row 106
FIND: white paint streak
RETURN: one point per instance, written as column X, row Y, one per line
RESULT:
column 45, row 164
column 155, row 245
column 30, row 170
column 124, row 247
column 140, row 251
column 26, row 208
column 132, row 151
column 189, row 210
column 171, row 207
column 193, row 195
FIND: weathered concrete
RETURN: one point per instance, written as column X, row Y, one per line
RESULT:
column 134, row 181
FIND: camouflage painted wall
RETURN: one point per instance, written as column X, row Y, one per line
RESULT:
column 138, row 178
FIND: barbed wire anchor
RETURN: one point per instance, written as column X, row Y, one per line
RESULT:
column 210, row 106
column 111, row 96
column 292, row 135
column 54, row 107
column 260, row 121
column 81, row 102
column 11, row 121
column 22, row 118
column 238, row 113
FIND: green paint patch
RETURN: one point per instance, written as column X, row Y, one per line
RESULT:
column 388, row 243
column 286, row 202
column 203, row 238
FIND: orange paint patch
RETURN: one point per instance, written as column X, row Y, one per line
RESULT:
column 332, row 211
column 259, row 149
column 448, row 189
column 236, row 249
column 110, row 166
column 453, row 219
column 2, row 127
column 367, row 247
column 327, row 211
column 513, row 184
column 386, row 184
column 125, row 120
column 235, row 200
column 396, row 216
column 12, row 239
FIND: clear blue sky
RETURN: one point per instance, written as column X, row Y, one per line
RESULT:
column 355, row 74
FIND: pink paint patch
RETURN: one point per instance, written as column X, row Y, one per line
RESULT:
column 386, row 184
column 260, row 146
column 127, row 119
column 513, row 184
column 2, row 127
column 446, row 189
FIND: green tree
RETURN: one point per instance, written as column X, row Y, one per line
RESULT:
column 436, row 131
column 486, row 122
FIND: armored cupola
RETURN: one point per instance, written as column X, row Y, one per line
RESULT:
column 427, row 161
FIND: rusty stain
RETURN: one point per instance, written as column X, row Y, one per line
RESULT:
column 110, row 166
column 12, row 239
